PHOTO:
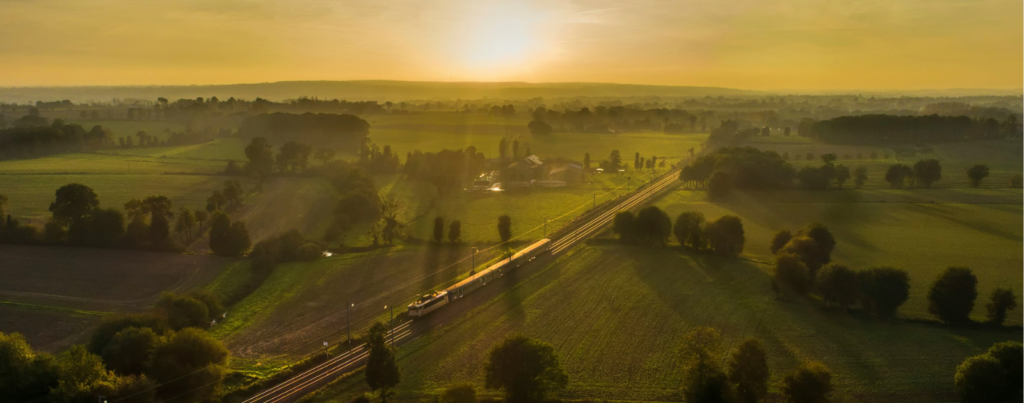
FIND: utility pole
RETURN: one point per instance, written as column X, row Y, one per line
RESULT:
column 473, row 268
column 545, row 227
column 392, row 326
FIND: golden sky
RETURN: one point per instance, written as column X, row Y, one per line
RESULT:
column 749, row 44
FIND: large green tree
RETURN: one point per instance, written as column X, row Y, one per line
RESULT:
column 927, row 171
column 884, row 289
column 524, row 369
column 810, row 383
column 976, row 174
column 689, row 229
column 725, row 235
column 652, row 226
column 951, row 297
column 73, row 206
column 704, row 380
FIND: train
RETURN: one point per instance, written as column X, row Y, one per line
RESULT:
column 434, row 301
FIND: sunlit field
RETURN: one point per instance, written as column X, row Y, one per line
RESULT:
column 616, row 315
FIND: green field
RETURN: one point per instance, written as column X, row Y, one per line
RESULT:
column 616, row 316
column 122, row 128
column 922, row 231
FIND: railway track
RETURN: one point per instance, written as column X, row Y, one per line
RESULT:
column 320, row 375
column 317, row 377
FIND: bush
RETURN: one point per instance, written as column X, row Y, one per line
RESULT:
column 192, row 358
column 980, row 379
column 463, row 393
column 183, row 311
column 111, row 326
column 748, row 369
column 780, row 240
column 809, row 252
column 129, row 350
column 1010, row 355
column 811, row 383
column 951, row 297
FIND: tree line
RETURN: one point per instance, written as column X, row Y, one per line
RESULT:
column 344, row 130
column 77, row 219
column 34, row 136
column 447, row 169
column 149, row 357
column 893, row 129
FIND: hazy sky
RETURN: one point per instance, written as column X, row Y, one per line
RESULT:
column 751, row 44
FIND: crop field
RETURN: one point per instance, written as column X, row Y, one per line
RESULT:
column 30, row 195
column 616, row 316
column 222, row 150
column 122, row 128
column 922, row 231
column 53, row 295
column 303, row 304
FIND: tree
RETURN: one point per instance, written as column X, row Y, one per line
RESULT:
column 524, row 369
column 454, row 231
column 183, row 311
column 1000, row 301
column 897, row 174
column 779, row 240
column 201, row 217
column 719, row 185
column 260, row 155
column 823, row 237
column 725, row 235
column 74, row 204
column 951, row 297
column 622, row 225
column 842, row 175
column 884, row 289
column 3, row 208
column 129, row 350
column 586, row 160
column 227, row 238
column 614, row 160
column 977, row 173
column 704, row 379
column 538, row 127
column 462, row 393
column 860, row 176
column 809, row 252
column 106, row 227
column 652, row 226
column 748, row 370
column 838, row 284
column 438, row 229
column 194, row 360
column 381, row 370
column 789, row 270
column 232, row 194
column 688, row 229
column 24, row 374
column 183, row 226
column 810, row 383
column 927, row 171
column 505, row 228
column 981, row 379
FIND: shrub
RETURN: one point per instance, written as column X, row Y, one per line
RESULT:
column 980, row 379
column 462, row 393
column 780, row 239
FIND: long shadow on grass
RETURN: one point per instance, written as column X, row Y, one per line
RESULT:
column 940, row 211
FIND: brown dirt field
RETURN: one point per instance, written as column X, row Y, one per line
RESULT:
column 46, row 331
column 98, row 279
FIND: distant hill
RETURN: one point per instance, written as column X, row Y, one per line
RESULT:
column 394, row 91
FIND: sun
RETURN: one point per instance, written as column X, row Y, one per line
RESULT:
column 500, row 39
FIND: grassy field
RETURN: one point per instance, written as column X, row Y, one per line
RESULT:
column 922, row 231
column 1004, row 158
column 616, row 316
column 303, row 304
column 122, row 128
